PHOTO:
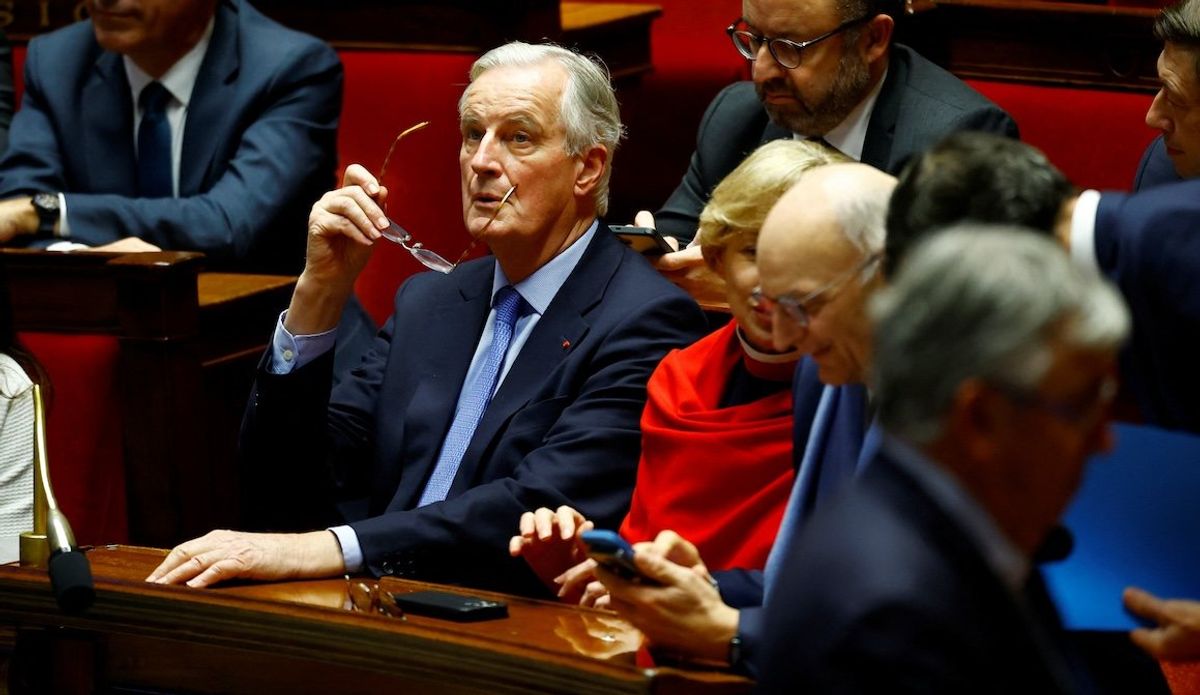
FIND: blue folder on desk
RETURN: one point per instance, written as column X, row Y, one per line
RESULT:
column 1136, row 522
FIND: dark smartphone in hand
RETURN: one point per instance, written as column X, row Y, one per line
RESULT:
column 614, row 553
column 645, row 240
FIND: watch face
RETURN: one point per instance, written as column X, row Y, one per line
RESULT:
column 47, row 202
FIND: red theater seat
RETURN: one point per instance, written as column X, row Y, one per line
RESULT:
column 1095, row 137
column 83, row 432
column 386, row 92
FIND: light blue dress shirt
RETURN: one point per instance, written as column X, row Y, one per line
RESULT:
column 290, row 352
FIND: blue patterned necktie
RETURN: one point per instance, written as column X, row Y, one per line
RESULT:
column 154, row 143
column 473, row 403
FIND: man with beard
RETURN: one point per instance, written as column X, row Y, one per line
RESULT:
column 824, row 69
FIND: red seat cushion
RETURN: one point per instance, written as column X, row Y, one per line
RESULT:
column 83, row 432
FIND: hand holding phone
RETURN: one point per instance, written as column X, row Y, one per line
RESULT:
column 642, row 239
column 614, row 554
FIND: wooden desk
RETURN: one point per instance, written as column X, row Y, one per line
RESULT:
column 189, row 344
column 305, row 637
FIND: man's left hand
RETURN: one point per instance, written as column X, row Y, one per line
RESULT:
column 17, row 219
column 223, row 555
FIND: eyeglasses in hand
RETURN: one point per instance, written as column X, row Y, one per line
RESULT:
column 399, row 235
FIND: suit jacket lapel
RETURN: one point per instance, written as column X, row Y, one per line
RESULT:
column 881, row 129
column 774, row 132
column 452, row 336
column 564, row 323
column 207, row 124
column 109, row 143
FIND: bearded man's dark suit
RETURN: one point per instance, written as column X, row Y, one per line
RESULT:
column 918, row 105
column 259, row 142
column 563, row 428
column 886, row 593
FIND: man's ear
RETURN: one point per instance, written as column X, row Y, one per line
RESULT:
column 592, row 165
column 975, row 418
column 877, row 37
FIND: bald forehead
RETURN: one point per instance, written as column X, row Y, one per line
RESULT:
column 805, row 226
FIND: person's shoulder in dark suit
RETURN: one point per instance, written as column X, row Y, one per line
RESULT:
column 1156, row 168
column 919, row 104
column 734, row 124
column 886, row 594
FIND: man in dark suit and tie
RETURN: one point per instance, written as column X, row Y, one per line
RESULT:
column 516, row 381
column 1175, row 155
column 173, row 124
column 994, row 363
column 821, row 70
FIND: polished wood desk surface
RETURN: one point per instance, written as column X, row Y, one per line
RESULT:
column 542, row 646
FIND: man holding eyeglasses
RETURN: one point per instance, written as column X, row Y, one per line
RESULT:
column 510, row 382
column 825, row 70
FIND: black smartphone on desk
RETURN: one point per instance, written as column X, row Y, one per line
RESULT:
column 460, row 608
column 645, row 240
column 614, row 553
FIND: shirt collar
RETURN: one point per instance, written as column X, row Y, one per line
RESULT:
column 1002, row 556
column 180, row 78
column 540, row 288
column 849, row 136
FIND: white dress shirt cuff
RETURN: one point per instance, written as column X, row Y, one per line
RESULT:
column 290, row 352
column 351, row 550
column 64, row 229
column 1083, row 230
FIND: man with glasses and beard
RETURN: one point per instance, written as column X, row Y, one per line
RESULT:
column 827, row 70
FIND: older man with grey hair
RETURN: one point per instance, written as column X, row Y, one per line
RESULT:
column 994, row 362
column 508, row 383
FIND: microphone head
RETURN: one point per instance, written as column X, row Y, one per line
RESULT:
column 71, row 579
column 1056, row 546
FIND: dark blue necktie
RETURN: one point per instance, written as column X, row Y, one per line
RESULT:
column 154, row 144
column 474, row 401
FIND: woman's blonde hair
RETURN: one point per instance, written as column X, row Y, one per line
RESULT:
column 740, row 203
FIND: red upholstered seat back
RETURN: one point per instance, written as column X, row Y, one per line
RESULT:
column 387, row 92
column 1095, row 137
column 83, row 432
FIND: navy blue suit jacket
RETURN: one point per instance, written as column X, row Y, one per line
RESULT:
column 1156, row 168
column 563, row 428
column 1147, row 243
column 886, row 594
column 259, row 144
column 918, row 105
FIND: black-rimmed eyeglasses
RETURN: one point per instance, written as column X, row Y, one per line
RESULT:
column 786, row 52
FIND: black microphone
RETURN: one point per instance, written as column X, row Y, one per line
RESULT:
column 70, row 571
column 1056, row 546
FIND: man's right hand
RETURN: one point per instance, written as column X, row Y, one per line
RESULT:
column 686, row 268
column 549, row 542
column 342, row 229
